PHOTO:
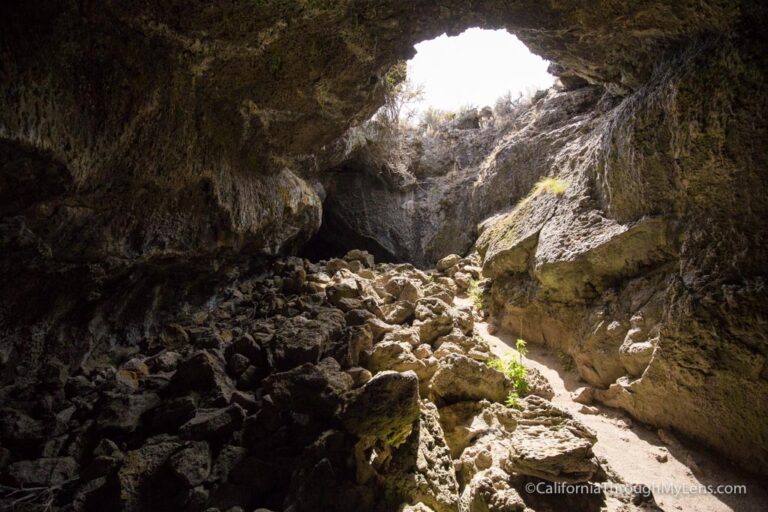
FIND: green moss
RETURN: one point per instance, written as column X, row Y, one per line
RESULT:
column 554, row 186
column 477, row 295
column 566, row 361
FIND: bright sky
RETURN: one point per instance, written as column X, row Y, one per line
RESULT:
column 475, row 67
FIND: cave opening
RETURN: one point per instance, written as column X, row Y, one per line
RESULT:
column 377, row 196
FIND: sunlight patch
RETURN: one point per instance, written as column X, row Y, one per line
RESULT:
column 475, row 68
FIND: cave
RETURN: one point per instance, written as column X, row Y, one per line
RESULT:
column 221, row 290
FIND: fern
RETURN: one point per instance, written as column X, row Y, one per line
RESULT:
column 514, row 369
column 513, row 400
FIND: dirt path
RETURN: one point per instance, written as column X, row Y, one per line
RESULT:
column 636, row 451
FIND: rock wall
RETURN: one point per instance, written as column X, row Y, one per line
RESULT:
column 648, row 270
column 419, row 194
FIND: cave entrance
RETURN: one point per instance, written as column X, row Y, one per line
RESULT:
column 378, row 195
column 475, row 69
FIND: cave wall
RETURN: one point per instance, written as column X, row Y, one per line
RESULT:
column 419, row 194
column 649, row 271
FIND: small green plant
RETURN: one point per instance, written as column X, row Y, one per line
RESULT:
column 554, row 186
column 513, row 369
column 513, row 400
column 521, row 346
column 477, row 296
column 566, row 361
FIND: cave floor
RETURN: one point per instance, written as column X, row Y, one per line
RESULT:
column 633, row 450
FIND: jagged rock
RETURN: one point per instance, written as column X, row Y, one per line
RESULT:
column 385, row 408
column 17, row 427
column 379, row 328
column 448, row 262
column 347, row 349
column 237, row 364
column 310, row 389
column 421, row 469
column 418, row 507
column 447, row 348
column 139, row 470
column 171, row 414
column 165, row 361
column 44, row 472
column 359, row 376
column 356, row 317
column 124, row 412
column 301, row 340
column 544, row 449
column 391, row 355
column 206, row 374
column 398, row 312
column 433, row 319
column 537, row 384
column 361, row 256
column 214, row 424
column 490, row 491
column 408, row 335
column 463, row 281
column 460, row 378
column 192, row 464
column 54, row 373
column 583, row 395
column 228, row 457
column 249, row 348
column 477, row 430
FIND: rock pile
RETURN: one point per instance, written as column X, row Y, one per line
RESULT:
column 342, row 385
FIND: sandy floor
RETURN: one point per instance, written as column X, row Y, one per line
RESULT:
column 631, row 449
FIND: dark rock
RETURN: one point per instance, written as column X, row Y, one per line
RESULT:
column 385, row 408
column 358, row 316
column 237, row 364
column 311, row 389
column 171, row 414
column 192, row 464
column 43, row 472
column 140, row 469
column 124, row 412
column 214, row 424
column 301, row 340
column 205, row 374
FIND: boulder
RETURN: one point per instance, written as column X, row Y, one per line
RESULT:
column 490, row 491
column 124, row 412
column 385, row 408
column 192, row 464
column 300, row 340
column 448, row 262
column 460, row 378
column 361, row 256
column 214, row 424
column 204, row 373
column 140, row 469
column 421, row 470
column 44, row 472
column 391, row 355
column 550, row 445
column 309, row 389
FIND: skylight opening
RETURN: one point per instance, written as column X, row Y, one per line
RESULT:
column 473, row 69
